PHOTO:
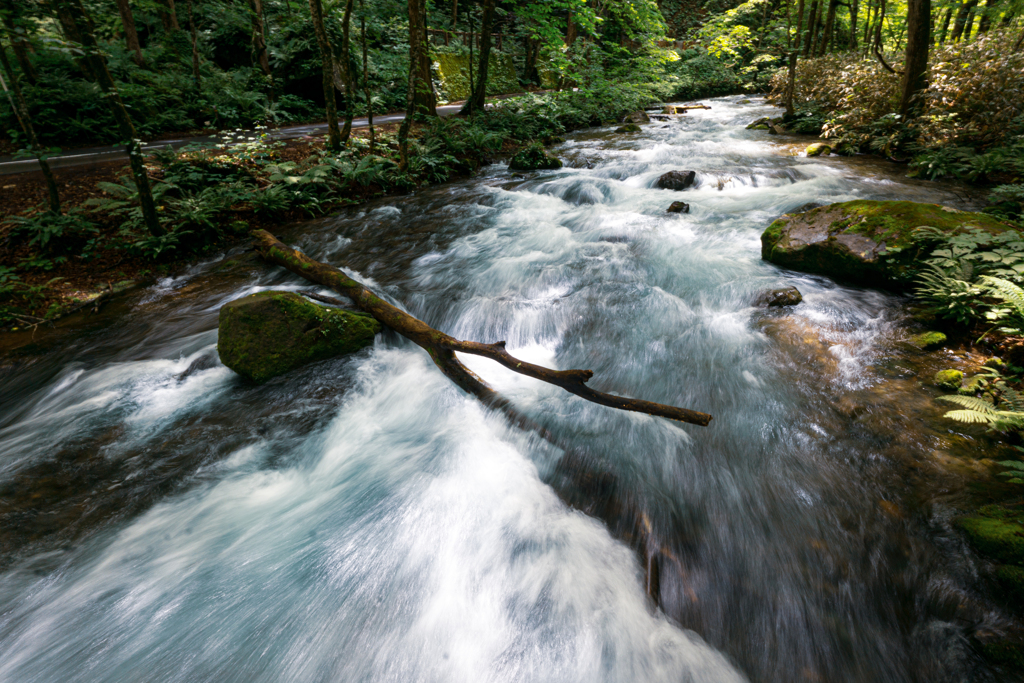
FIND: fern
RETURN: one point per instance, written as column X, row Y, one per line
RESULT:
column 975, row 405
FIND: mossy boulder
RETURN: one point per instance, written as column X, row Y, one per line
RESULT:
column 638, row 116
column 760, row 124
column 269, row 333
column 533, row 158
column 865, row 242
column 1011, row 581
column 997, row 532
column 818, row 149
column 949, row 379
column 786, row 296
column 926, row 341
column 628, row 128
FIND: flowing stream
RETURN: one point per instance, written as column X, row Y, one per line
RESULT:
column 361, row 519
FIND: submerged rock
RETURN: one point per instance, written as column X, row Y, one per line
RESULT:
column 628, row 128
column 638, row 116
column 760, row 124
column 852, row 240
column 786, row 296
column 949, row 379
column 676, row 180
column 269, row 333
column 679, row 207
column 533, row 158
column 926, row 341
column 818, row 149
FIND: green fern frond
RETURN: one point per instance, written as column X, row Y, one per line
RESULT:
column 971, row 417
column 971, row 403
column 1013, row 464
column 1007, row 291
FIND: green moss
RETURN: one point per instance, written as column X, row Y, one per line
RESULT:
column 972, row 386
column 894, row 222
column 628, row 128
column 1005, row 652
column 1011, row 581
column 818, row 149
column 533, row 158
column 949, row 379
column 269, row 333
column 929, row 340
column 996, row 532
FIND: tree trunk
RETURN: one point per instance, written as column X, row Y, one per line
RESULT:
column 131, row 36
column 19, row 106
column 987, row 14
column 945, row 24
column 812, row 24
column 82, row 24
column 570, row 30
column 531, row 48
column 71, row 31
column 195, row 48
column 455, row 13
column 259, row 43
column 830, row 22
column 442, row 347
column 18, row 44
column 346, row 71
column 169, row 16
column 915, row 66
column 961, row 19
column 794, row 51
column 854, row 10
column 366, row 74
column 969, row 26
column 327, row 60
column 477, row 100
column 420, row 100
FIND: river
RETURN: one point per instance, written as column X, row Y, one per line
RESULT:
column 363, row 520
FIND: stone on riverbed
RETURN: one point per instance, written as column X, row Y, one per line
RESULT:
column 852, row 240
column 679, row 207
column 269, row 333
column 628, row 128
column 636, row 117
column 926, row 341
column 818, row 149
column 949, row 379
column 533, row 158
column 676, row 180
column 786, row 296
column 996, row 531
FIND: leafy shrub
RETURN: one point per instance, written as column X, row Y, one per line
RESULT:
column 52, row 232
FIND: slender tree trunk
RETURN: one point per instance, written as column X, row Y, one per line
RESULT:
column 961, row 19
column 812, row 23
column 1019, row 45
column 945, row 24
column 71, row 32
column 570, row 30
column 366, row 74
column 259, row 43
column 867, row 26
column 195, row 48
column 854, row 10
column 327, row 59
column 477, row 100
column 915, row 66
column 97, row 65
column 18, row 44
column 21, row 110
column 346, row 71
column 764, row 23
column 455, row 13
column 131, row 36
column 990, row 11
column 830, row 21
column 425, row 101
column 794, row 50
column 169, row 16
column 969, row 26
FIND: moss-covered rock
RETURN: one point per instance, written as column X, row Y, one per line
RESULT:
column 997, row 532
column 638, row 116
column 855, row 240
column 926, row 341
column 759, row 124
column 818, row 149
column 786, row 296
column 973, row 385
column 949, row 379
column 628, row 128
column 269, row 333
column 533, row 158
column 1011, row 581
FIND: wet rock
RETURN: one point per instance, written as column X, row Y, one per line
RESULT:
column 676, row 180
column 679, row 207
column 948, row 379
column 638, row 116
column 972, row 386
column 1011, row 580
column 776, row 129
column 994, row 362
column 269, row 333
column 759, row 124
column 997, row 532
column 926, row 341
column 553, row 140
column 628, row 128
column 204, row 362
column 786, row 296
column 533, row 158
column 851, row 240
column 818, row 149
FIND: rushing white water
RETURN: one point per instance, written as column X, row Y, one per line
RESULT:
column 362, row 520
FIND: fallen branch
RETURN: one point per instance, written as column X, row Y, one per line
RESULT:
column 442, row 347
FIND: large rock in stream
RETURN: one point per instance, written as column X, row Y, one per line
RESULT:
column 852, row 240
column 269, row 333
